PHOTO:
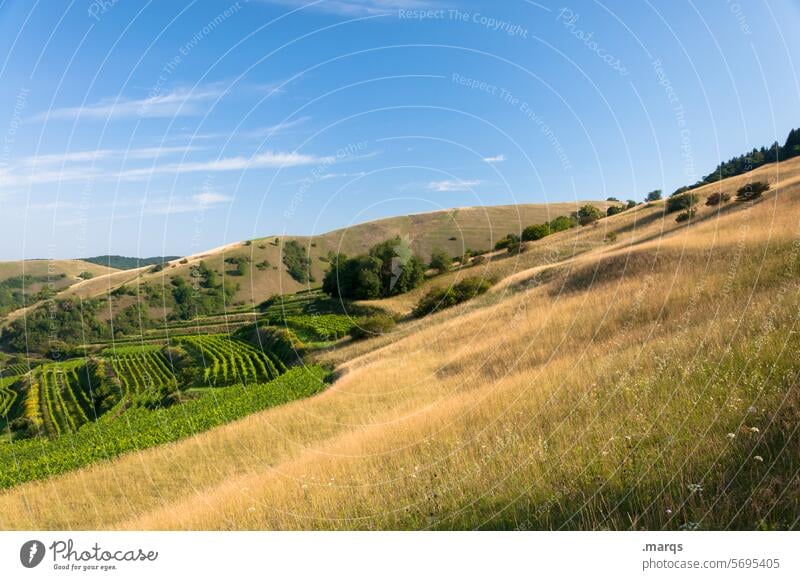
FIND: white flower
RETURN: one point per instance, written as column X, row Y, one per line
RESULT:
column 759, row 458
column 754, row 430
column 695, row 487
column 731, row 436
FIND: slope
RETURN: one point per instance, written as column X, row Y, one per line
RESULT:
column 643, row 384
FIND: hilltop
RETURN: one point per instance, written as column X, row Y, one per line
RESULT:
column 638, row 373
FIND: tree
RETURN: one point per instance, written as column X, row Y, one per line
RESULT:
column 752, row 191
column 654, row 195
column 681, row 202
column 792, row 146
column 588, row 214
column 615, row 209
column 389, row 269
column 297, row 262
column 441, row 261
column 535, row 232
column 631, row 204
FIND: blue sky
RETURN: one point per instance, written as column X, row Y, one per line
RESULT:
column 150, row 128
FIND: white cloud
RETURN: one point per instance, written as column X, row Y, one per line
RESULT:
column 495, row 159
column 453, row 185
column 211, row 198
column 179, row 102
column 357, row 7
column 97, row 155
column 263, row 160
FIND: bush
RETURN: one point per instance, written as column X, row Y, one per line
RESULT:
column 681, row 202
column 86, row 275
column 611, row 237
column 615, row 209
column 717, row 198
column 536, row 232
column 297, row 262
column 686, row 215
column 654, row 195
column 440, row 261
column 588, row 214
column 372, row 326
column 439, row 298
column 752, row 191
column 509, row 240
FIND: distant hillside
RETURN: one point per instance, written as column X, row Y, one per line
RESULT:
column 266, row 274
column 126, row 263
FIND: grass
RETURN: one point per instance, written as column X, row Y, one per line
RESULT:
column 651, row 383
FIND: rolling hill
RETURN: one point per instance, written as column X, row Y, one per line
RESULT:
column 640, row 373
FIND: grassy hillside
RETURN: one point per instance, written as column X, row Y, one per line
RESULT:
column 648, row 382
column 54, row 268
column 266, row 275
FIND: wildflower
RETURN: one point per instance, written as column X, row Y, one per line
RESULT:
column 695, row 487
column 669, row 511
column 759, row 458
column 731, row 436
column 751, row 409
column 754, row 430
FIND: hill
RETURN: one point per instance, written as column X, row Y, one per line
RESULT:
column 25, row 282
column 126, row 263
column 266, row 274
column 642, row 380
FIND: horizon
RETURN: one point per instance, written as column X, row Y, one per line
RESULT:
column 169, row 130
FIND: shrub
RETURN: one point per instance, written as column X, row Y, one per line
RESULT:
column 536, row 232
column 372, row 326
column 718, row 198
column 686, row 215
column 654, row 195
column 296, row 260
column 86, row 275
column 615, row 209
column 611, row 237
column 681, row 202
column 439, row 298
column 752, row 191
column 588, row 214
column 509, row 240
column 440, row 261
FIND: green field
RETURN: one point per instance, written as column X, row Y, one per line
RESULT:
column 138, row 428
column 226, row 361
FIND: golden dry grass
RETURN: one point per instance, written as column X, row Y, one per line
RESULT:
column 651, row 383
column 453, row 230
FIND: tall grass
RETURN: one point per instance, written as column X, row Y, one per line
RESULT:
column 649, row 385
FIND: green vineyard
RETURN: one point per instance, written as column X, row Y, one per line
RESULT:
column 226, row 361
column 138, row 428
column 320, row 327
column 141, row 369
column 64, row 402
column 8, row 395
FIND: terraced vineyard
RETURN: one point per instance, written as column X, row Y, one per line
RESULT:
column 227, row 361
column 320, row 327
column 64, row 404
column 141, row 369
column 140, row 428
column 8, row 395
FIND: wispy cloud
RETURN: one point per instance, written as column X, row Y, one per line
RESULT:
column 453, row 185
column 179, row 102
column 357, row 7
column 263, row 160
column 199, row 202
column 495, row 159
column 98, row 155
column 257, row 133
